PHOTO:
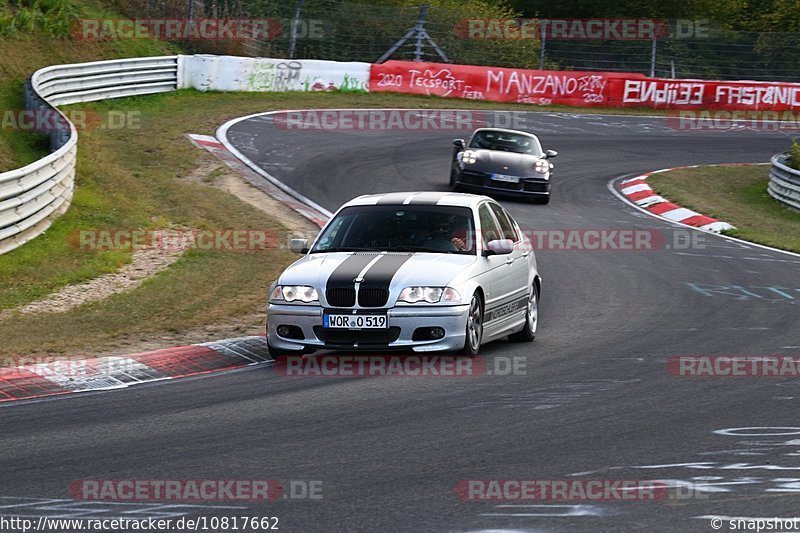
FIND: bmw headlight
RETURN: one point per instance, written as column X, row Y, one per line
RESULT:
column 430, row 295
column 468, row 157
column 293, row 293
column 541, row 167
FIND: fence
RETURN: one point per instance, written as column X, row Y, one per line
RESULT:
column 719, row 54
column 348, row 30
column 784, row 182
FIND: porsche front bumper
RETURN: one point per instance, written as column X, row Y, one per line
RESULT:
column 481, row 181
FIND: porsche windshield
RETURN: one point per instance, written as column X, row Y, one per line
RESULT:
column 505, row 142
column 400, row 228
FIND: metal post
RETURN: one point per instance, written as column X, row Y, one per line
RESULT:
column 421, row 37
column 653, row 57
column 543, row 45
column 191, row 9
column 420, row 31
column 295, row 22
column 672, row 68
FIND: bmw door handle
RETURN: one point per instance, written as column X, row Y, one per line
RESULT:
column 509, row 260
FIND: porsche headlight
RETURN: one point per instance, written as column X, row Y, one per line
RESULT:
column 541, row 167
column 430, row 295
column 292, row 293
column 469, row 157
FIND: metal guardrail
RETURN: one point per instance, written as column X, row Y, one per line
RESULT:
column 784, row 182
column 32, row 196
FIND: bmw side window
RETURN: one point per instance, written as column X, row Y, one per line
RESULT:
column 489, row 231
column 506, row 226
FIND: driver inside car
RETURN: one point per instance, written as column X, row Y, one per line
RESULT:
column 445, row 236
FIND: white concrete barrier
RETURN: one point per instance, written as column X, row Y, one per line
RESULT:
column 259, row 74
column 32, row 196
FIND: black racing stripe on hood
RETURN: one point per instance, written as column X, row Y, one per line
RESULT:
column 379, row 275
column 349, row 269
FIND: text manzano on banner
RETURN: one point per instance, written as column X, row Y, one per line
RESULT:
column 573, row 88
column 497, row 84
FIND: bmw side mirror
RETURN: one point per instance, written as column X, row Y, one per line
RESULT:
column 550, row 154
column 459, row 143
column 298, row 246
column 499, row 247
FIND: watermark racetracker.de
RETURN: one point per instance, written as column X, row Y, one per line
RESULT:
column 527, row 490
column 380, row 120
column 196, row 29
column 190, row 490
column 733, row 120
column 210, row 239
column 203, row 29
column 591, row 29
column 45, row 120
column 404, row 366
column 732, row 366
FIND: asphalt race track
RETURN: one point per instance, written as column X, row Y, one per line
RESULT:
column 596, row 400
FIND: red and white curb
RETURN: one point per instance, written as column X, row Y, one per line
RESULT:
column 307, row 209
column 40, row 377
column 32, row 379
column 639, row 192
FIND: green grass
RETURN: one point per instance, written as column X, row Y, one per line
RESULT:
column 17, row 148
column 135, row 178
column 126, row 177
column 794, row 155
column 737, row 195
column 24, row 17
column 41, row 42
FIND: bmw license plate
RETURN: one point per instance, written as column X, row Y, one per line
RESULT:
column 506, row 178
column 355, row 321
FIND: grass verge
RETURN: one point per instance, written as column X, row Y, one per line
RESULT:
column 136, row 178
column 33, row 46
column 737, row 195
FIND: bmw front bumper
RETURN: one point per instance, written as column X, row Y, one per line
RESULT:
column 403, row 322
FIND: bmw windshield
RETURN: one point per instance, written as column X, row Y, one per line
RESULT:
column 400, row 228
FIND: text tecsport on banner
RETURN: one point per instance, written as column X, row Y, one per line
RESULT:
column 542, row 87
column 497, row 84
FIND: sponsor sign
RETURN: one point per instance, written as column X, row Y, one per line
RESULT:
column 573, row 88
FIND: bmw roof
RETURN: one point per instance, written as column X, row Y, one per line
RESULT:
column 419, row 198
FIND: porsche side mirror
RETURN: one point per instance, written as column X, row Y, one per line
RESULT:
column 298, row 246
column 499, row 247
column 459, row 143
column 550, row 154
